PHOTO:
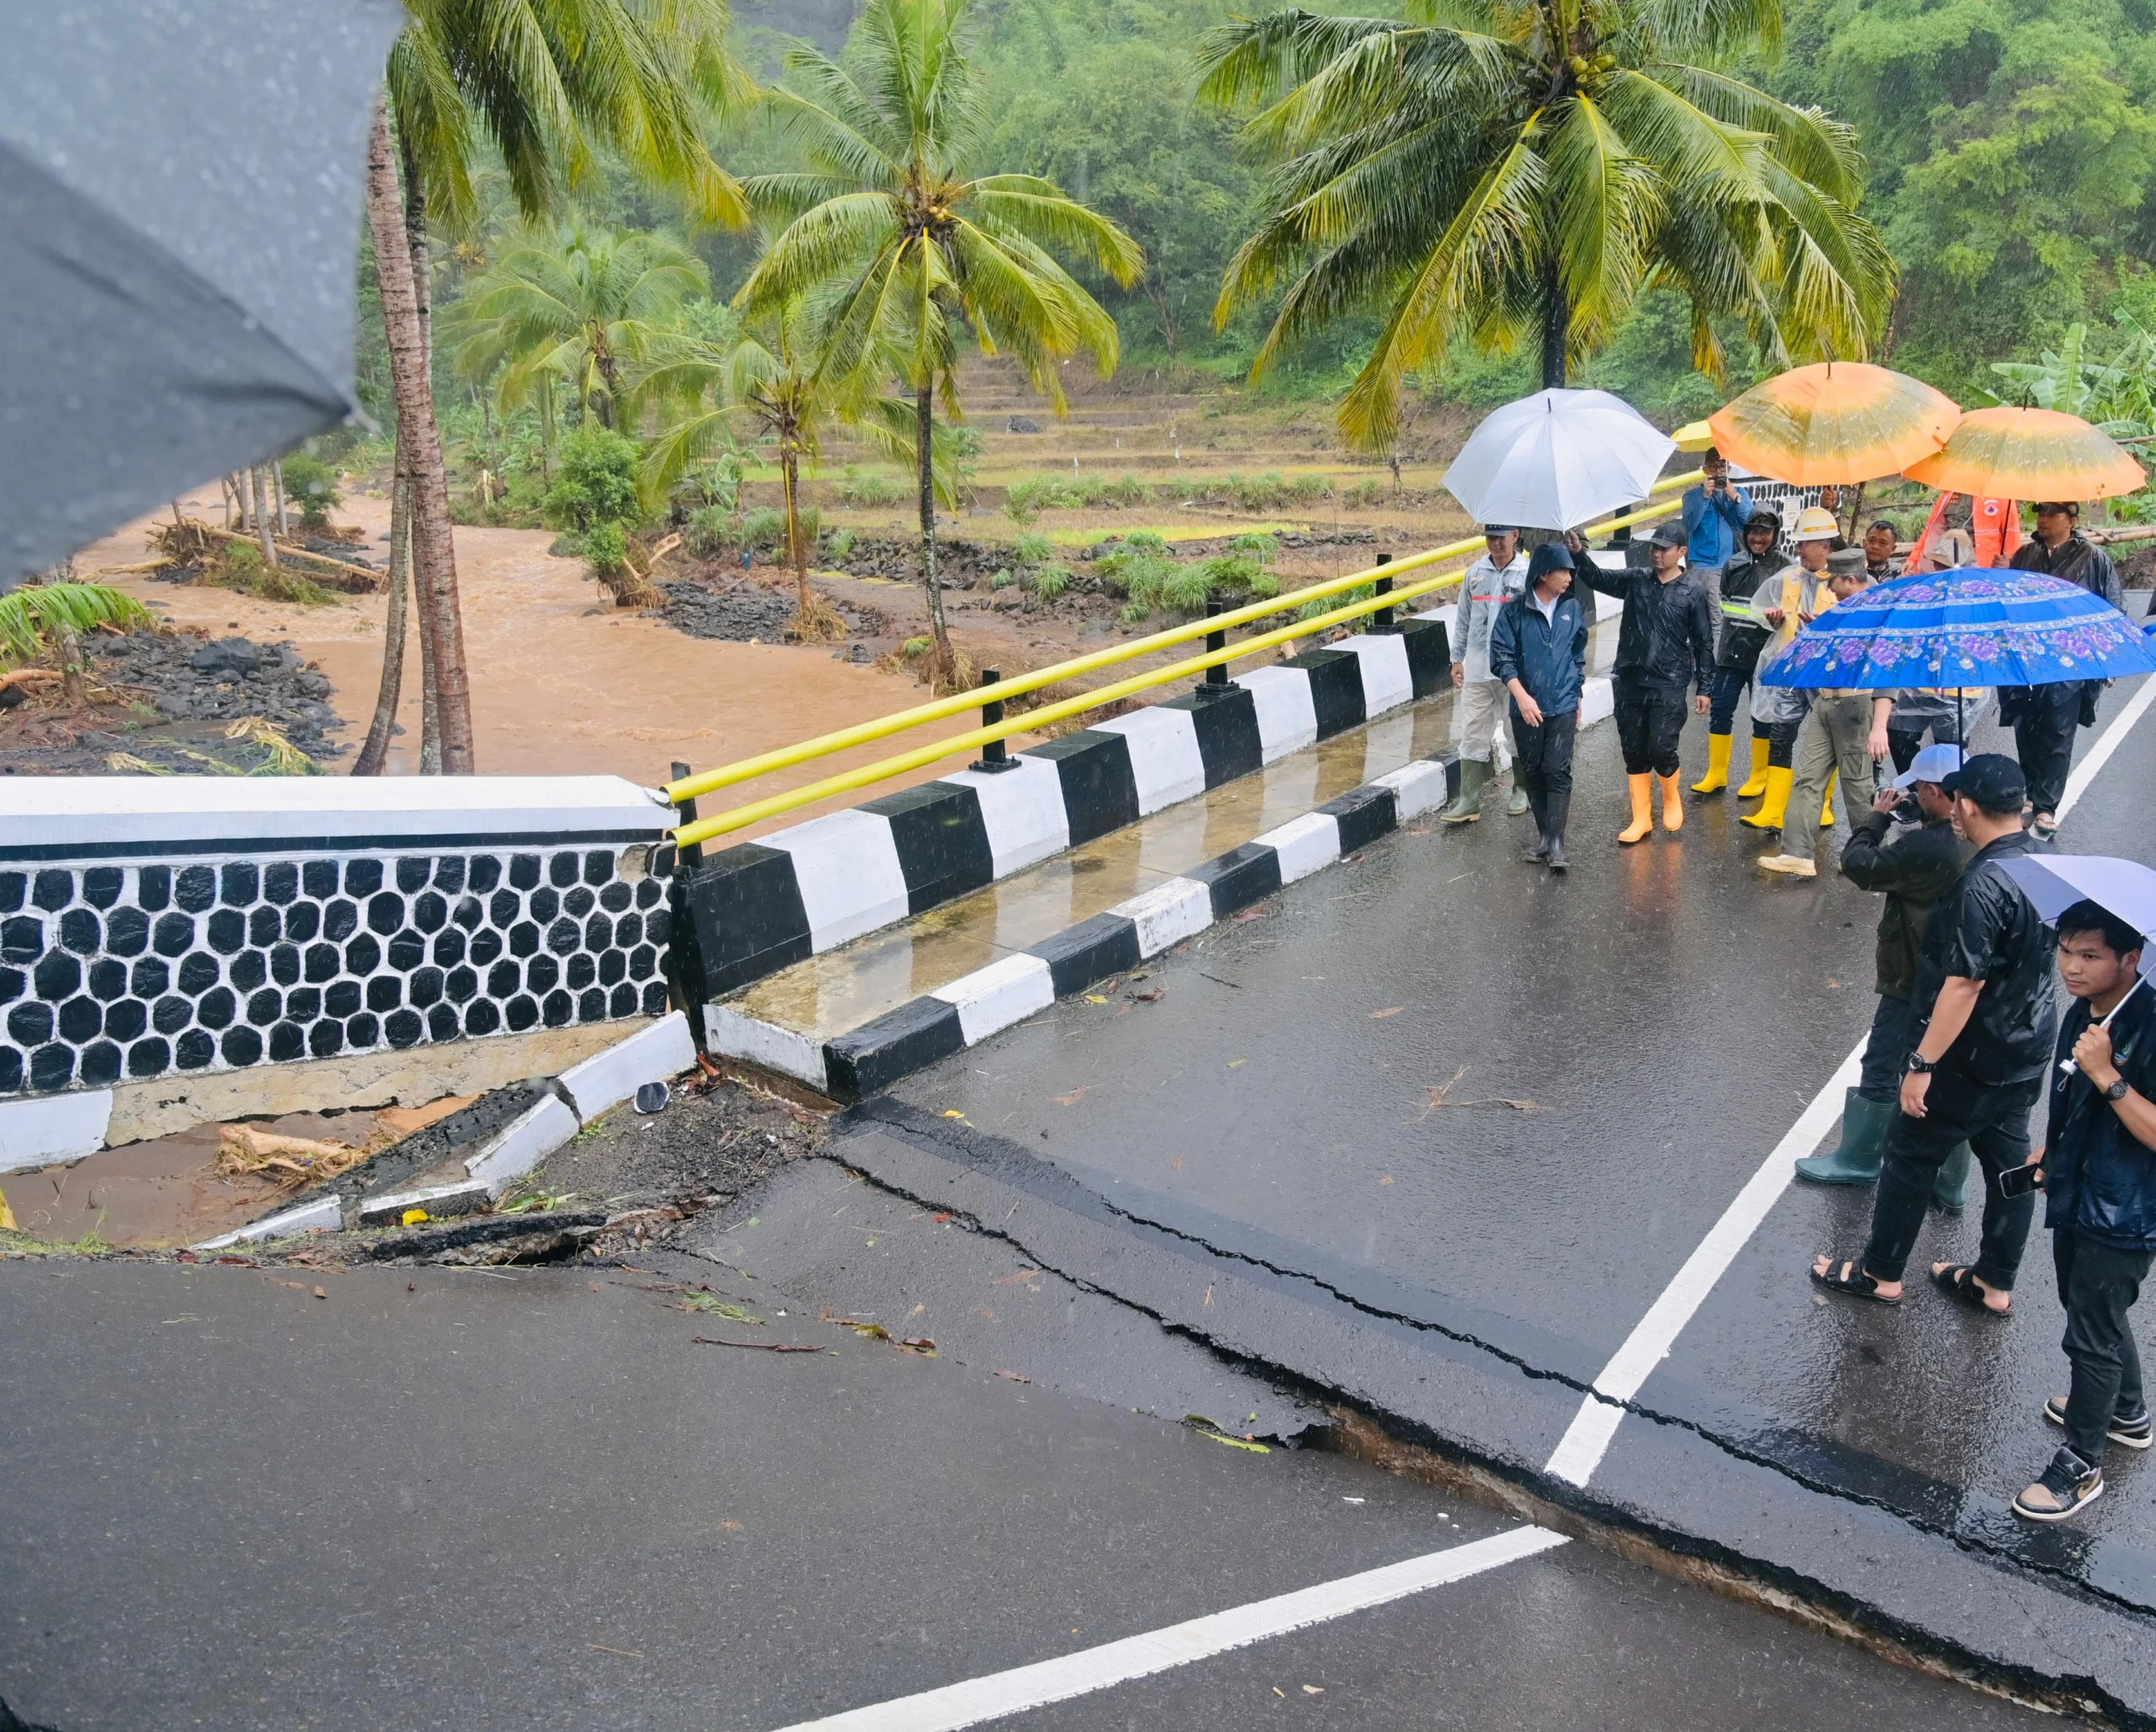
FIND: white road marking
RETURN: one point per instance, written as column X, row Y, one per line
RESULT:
column 1090, row 1669
column 1579, row 1452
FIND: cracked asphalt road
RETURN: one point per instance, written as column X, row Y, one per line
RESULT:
column 1435, row 1105
column 527, row 1499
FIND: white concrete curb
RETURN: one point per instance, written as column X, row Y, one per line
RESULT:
column 47, row 1128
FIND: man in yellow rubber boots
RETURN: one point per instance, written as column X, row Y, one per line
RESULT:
column 1844, row 734
column 1779, row 711
column 1744, row 633
column 1665, row 644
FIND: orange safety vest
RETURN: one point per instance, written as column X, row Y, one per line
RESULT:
column 1996, row 525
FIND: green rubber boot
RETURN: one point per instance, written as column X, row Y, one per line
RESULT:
column 1949, row 1191
column 1468, row 807
column 1518, row 806
column 1863, row 1139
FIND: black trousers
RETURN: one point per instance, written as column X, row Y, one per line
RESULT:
column 1542, row 757
column 2045, row 719
column 2098, row 1286
column 1904, row 744
column 1650, row 719
column 1994, row 1122
column 1781, row 742
column 1893, row 1037
column 1727, row 686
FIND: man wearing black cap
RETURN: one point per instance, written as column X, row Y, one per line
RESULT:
column 1538, row 648
column 1665, row 644
column 1983, row 1005
column 2045, row 717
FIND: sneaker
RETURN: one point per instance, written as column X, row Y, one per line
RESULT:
column 2066, row 1488
column 1796, row 864
column 2135, row 1432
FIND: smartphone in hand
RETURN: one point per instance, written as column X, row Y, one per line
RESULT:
column 2019, row 1181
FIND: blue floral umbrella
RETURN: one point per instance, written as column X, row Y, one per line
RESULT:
column 1973, row 626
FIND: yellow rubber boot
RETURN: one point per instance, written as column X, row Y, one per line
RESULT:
column 1642, row 824
column 1775, row 807
column 1717, row 776
column 1757, row 784
column 1672, row 805
column 1826, row 805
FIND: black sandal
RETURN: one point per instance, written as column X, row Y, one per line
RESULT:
column 1957, row 1280
column 1853, row 1281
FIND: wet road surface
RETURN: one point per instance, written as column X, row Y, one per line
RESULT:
column 1434, row 1104
column 526, row 1499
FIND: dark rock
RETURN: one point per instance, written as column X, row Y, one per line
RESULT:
column 1022, row 424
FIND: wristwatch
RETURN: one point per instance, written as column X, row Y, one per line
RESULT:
column 2118, row 1089
column 1919, row 1065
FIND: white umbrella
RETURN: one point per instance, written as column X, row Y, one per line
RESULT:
column 1557, row 459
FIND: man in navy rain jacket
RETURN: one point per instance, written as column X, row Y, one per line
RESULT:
column 2100, row 1201
column 1538, row 647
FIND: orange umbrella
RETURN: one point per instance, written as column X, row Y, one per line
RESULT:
column 1833, row 423
column 2029, row 454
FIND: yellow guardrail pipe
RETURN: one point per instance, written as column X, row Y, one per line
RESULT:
column 741, row 816
column 822, row 745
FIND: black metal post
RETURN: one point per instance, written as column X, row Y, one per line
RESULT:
column 995, row 755
column 1216, row 684
column 685, row 812
column 1381, row 621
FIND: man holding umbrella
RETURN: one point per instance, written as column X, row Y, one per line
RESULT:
column 2098, row 1165
column 1665, row 644
column 1479, row 708
column 2045, row 717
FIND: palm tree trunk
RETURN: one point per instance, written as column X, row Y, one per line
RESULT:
column 1557, row 327
column 284, row 517
column 262, row 518
column 433, row 553
column 375, row 754
column 796, row 555
column 942, row 662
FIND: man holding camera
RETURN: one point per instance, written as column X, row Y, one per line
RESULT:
column 2098, row 1168
column 1913, row 864
column 1985, row 1022
column 1716, row 512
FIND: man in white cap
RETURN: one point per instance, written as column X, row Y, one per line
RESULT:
column 1482, row 705
column 1788, row 602
column 1904, row 849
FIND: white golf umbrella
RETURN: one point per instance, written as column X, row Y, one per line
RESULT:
column 1557, row 459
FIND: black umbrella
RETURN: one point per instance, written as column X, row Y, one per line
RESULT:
column 181, row 187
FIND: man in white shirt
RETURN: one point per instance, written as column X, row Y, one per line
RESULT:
column 1480, row 708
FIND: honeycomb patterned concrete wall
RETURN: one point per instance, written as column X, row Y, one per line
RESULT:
column 112, row 973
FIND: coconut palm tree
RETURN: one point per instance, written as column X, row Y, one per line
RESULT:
column 1522, row 171
column 771, row 384
column 58, row 615
column 893, row 216
column 544, row 83
column 586, row 306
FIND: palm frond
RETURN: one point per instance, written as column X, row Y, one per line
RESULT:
column 32, row 613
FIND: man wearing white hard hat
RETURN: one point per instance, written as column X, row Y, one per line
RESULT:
column 1779, row 711
column 1905, row 849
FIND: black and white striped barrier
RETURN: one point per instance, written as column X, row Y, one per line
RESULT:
column 759, row 906
column 872, row 1056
